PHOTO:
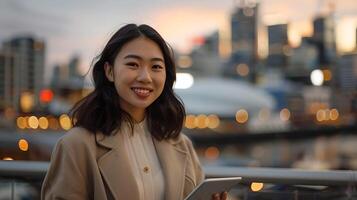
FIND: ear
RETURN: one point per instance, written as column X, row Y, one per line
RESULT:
column 109, row 72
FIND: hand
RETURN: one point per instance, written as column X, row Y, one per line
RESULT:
column 220, row 196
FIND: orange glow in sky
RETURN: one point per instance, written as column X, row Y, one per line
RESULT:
column 179, row 25
column 345, row 34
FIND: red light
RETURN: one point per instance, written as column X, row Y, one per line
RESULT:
column 46, row 95
column 198, row 40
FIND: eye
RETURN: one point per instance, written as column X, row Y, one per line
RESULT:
column 132, row 64
column 157, row 67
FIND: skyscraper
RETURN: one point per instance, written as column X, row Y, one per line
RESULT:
column 324, row 39
column 244, row 23
column 6, row 79
column 278, row 46
column 244, row 30
column 28, row 68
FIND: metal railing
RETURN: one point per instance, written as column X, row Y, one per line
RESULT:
column 285, row 175
column 31, row 172
column 34, row 170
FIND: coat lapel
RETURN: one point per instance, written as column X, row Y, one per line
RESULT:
column 173, row 162
column 116, row 170
column 118, row 174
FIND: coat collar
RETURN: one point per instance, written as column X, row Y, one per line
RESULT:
column 115, row 168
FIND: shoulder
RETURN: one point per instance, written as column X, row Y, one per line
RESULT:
column 182, row 140
column 77, row 137
column 185, row 139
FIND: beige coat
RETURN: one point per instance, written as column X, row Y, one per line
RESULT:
column 93, row 166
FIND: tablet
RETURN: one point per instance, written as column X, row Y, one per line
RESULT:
column 210, row 186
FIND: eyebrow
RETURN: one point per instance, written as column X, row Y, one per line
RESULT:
column 140, row 58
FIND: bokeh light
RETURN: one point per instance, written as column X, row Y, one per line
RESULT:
column 285, row 114
column 43, row 122
column 242, row 116
column 27, row 102
column 190, row 121
column 21, row 122
column 33, row 122
column 65, row 122
column 256, row 187
column 202, row 121
column 317, row 77
column 213, row 121
column 334, row 114
column 242, row 69
column 23, row 145
column 212, row 153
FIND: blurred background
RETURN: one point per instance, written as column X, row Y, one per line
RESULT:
column 265, row 83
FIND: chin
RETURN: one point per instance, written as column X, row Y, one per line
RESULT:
column 142, row 105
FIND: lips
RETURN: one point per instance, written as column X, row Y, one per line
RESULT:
column 142, row 92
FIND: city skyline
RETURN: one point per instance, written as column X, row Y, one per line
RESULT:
column 71, row 29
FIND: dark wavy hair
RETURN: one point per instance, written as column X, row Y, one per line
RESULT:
column 100, row 110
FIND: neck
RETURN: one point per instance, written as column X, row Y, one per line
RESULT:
column 137, row 115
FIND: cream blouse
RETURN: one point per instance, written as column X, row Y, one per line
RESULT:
column 144, row 160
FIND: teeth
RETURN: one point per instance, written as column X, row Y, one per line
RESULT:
column 141, row 91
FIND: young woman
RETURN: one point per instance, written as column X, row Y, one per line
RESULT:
column 126, row 141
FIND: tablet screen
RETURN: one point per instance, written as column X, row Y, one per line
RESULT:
column 210, row 186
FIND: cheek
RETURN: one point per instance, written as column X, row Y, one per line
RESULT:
column 121, row 82
column 162, row 82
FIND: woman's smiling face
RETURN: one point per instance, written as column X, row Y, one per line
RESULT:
column 138, row 74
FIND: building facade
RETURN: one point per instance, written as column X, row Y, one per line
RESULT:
column 25, row 63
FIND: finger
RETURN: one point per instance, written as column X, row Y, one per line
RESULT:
column 224, row 195
column 215, row 196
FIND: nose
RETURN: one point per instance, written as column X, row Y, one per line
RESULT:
column 144, row 75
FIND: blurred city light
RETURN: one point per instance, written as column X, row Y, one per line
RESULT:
column 46, row 95
column 190, row 121
column 184, row 61
column 33, row 122
column 334, row 114
column 317, row 77
column 212, row 153
column 23, row 145
column 65, row 122
column 27, row 122
column 21, row 122
column 320, row 115
column 202, row 121
column 183, row 81
column 256, row 187
column 285, row 114
column 242, row 116
column 8, row 158
column 213, row 121
column 242, row 69
column 327, row 74
column 199, row 40
column 27, row 101
column 43, row 122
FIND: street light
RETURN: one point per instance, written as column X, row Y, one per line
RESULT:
column 317, row 77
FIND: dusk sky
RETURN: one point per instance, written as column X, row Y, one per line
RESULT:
column 73, row 27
